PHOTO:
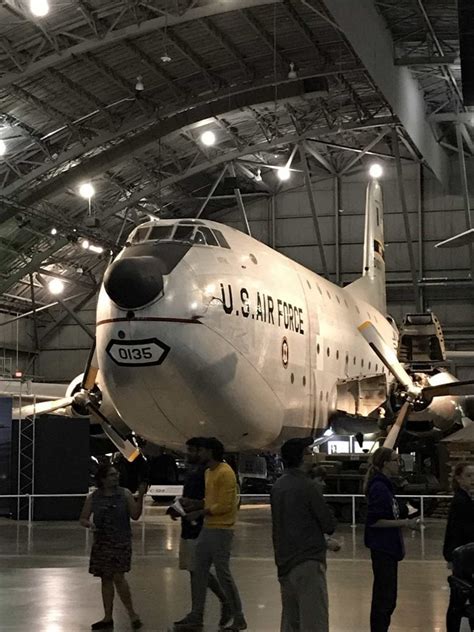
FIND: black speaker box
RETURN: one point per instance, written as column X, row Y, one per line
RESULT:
column 60, row 466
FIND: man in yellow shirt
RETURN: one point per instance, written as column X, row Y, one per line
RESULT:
column 215, row 540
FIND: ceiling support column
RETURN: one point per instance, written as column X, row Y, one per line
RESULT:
column 314, row 211
column 406, row 219
column 337, row 227
column 240, row 201
column 211, row 192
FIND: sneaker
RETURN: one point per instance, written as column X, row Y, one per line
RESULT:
column 188, row 624
column 226, row 616
column 237, row 623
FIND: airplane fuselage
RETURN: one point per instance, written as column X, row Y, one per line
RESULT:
column 238, row 342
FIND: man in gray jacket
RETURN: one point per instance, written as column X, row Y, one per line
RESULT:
column 300, row 520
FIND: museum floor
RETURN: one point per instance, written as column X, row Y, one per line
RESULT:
column 45, row 587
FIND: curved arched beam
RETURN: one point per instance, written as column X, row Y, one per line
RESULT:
column 110, row 157
column 219, row 100
column 230, row 156
column 132, row 31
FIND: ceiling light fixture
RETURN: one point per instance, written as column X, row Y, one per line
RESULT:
column 56, row 286
column 86, row 190
column 208, row 138
column 39, row 8
column 54, row 231
column 292, row 73
column 375, row 170
column 97, row 249
column 258, row 176
column 284, row 173
column 85, row 244
column 3, row 148
column 139, row 87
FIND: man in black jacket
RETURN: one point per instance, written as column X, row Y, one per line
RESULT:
column 300, row 518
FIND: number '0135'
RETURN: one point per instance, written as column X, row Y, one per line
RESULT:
column 135, row 353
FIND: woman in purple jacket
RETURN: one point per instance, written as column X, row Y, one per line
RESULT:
column 383, row 535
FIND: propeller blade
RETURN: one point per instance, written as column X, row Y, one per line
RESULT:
column 126, row 447
column 91, row 370
column 43, row 408
column 387, row 355
column 451, row 388
column 392, row 436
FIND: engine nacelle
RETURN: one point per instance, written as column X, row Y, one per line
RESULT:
column 442, row 412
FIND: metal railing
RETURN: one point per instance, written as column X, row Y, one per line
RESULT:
column 142, row 523
column 421, row 497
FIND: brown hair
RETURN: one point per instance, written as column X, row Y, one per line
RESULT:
column 377, row 461
column 458, row 471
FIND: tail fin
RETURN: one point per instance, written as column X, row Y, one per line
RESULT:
column 371, row 285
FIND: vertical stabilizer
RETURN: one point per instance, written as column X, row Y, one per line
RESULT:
column 371, row 285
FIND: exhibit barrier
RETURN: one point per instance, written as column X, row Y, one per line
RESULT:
column 166, row 492
column 26, row 531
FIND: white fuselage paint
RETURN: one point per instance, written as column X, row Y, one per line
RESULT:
column 257, row 344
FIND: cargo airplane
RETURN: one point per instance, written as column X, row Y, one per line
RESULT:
column 203, row 330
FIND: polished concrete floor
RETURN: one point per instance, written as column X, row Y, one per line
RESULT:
column 45, row 587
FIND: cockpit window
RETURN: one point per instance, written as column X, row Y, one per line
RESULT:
column 210, row 239
column 201, row 235
column 160, row 232
column 221, row 239
column 199, row 238
column 140, row 234
column 184, row 233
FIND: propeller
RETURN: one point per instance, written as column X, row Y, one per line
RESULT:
column 388, row 356
column 452, row 388
column 87, row 402
column 43, row 408
column 412, row 392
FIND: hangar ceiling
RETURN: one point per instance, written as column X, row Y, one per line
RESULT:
column 118, row 93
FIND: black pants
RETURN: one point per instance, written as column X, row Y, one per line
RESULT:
column 454, row 615
column 384, row 591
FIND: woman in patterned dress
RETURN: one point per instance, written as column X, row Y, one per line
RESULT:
column 111, row 508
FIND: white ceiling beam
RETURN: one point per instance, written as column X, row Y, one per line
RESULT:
column 396, row 83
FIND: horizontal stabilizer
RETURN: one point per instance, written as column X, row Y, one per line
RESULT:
column 463, row 239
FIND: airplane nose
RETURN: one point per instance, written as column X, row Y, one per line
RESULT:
column 132, row 282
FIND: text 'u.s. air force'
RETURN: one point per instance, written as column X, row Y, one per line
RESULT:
column 262, row 307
